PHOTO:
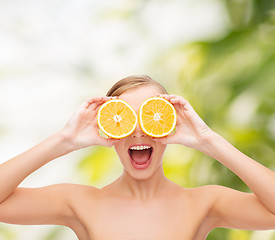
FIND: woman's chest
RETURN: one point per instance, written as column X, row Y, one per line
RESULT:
column 130, row 221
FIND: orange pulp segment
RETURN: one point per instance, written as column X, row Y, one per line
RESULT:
column 116, row 118
column 157, row 117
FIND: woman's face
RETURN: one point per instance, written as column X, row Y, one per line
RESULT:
column 142, row 163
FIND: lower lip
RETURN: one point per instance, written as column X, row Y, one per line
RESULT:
column 142, row 166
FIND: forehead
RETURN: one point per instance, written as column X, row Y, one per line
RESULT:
column 135, row 97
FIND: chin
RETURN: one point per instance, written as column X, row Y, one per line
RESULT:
column 145, row 174
column 140, row 176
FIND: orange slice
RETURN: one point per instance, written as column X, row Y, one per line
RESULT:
column 157, row 117
column 116, row 118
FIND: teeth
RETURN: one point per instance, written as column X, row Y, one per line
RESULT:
column 140, row 147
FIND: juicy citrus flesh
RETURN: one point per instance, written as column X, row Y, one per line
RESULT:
column 157, row 117
column 116, row 118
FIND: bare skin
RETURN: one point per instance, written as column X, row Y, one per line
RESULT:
column 140, row 204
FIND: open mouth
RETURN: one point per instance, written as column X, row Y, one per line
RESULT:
column 140, row 155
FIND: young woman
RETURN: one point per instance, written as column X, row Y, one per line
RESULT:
column 141, row 203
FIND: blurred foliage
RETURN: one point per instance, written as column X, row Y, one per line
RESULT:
column 54, row 234
column 100, row 166
column 230, row 82
column 6, row 233
column 57, row 233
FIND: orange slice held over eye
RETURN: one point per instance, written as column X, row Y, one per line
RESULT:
column 116, row 118
column 157, row 117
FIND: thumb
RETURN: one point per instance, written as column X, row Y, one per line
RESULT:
column 163, row 140
column 109, row 142
column 170, row 139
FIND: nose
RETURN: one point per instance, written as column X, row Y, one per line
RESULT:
column 138, row 133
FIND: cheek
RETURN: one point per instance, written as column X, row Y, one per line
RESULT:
column 161, row 150
column 120, row 148
column 161, row 146
column 122, row 153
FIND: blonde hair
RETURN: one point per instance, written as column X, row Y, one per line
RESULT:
column 132, row 82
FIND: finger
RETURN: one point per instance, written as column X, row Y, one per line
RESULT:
column 192, row 116
column 90, row 102
column 174, row 99
column 162, row 95
column 168, row 97
column 109, row 98
column 165, row 96
column 97, row 106
column 94, row 99
column 178, row 101
column 97, row 101
column 83, row 106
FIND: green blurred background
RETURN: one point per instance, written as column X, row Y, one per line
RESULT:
column 220, row 55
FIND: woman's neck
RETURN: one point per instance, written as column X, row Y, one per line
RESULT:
column 145, row 188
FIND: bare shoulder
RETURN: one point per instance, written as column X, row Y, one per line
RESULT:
column 76, row 195
column 206, row 194
column 198, row 203
column 203, row 200
column 78, row 187
column 77, row 192
column 81, row 199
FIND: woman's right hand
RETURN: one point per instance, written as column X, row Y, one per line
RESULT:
column 82, row 130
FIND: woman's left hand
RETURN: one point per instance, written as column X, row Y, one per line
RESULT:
column 191, row 130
